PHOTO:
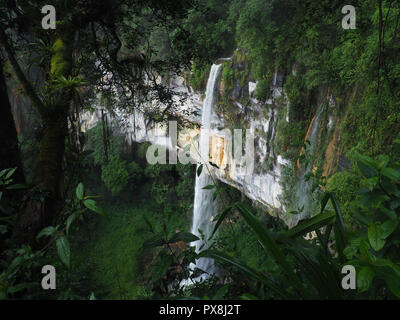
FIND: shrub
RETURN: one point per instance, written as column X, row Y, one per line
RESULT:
column 263, row 89
column 115, row 175
column 135, row 171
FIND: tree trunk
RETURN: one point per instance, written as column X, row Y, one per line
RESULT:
column 9, row 153
column 48, row 170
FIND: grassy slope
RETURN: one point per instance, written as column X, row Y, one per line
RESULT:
column 110, row 253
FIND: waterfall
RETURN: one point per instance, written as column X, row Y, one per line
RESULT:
column 303, row 193
column 205, row 209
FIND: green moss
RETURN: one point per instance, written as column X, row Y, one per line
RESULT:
column 228, row 76
column 344, row 184
column 199, row 76
column 60, row 60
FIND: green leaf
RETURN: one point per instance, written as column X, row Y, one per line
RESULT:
column 199, row 170
column 390, row 272
column 148, row 223
column 20, row 287
column 3, row 172
column 161, row 267
column 183, row 236
column 63, row 250
column 339, row 229
column 16, row 187
column 15, row 264
column 80, row 191
column 222, row 217
column 388, row 227
column 375, row 237
column 70, row 219
column 48, row 231
column 92, row 205
column 382, row 161
column 209, row 187
column 10, row 173
column 248, row 296
column 364, row 279
column 221, row 292
column 365, row 254
column 390, row 213
column 391, row 173
column 311, row 224
column 366, row 166
column 156, row 241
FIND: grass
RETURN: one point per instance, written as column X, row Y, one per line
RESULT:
column 113, row 251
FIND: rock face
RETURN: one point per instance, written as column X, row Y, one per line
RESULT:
column 275, row 181
column 246, row 138
column 262, row 180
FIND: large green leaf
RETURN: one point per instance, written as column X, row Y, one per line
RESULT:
column 388, row 227
column 209, row 187
column 199, row 170
column 311, row 224
column 339, row 229
column 271, row 247
column 155, row 241
column 69, row 221
column 390, row 272
column 221, row 218
column 225, row 258
column 79, row 191
column 375, row 237
column 366, row 166
column 10, row 173
column 183, row 236
column 63, row 250
column 92, row 205
column 48, row 231
column 391, row 173
column 364, row 278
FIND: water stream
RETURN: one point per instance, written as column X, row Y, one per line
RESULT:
column 205, row 209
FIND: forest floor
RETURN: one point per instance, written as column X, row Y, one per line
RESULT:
column 110, row 254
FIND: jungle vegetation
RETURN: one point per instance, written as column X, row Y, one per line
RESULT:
column 118, row 228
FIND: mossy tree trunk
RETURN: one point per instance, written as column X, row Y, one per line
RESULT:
column 48, row 168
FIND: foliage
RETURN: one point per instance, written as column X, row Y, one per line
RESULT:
column 96, row 142
column 115, row 174
column 20, row 266
column 372, row 248
column 198, row 76
column 263, row 89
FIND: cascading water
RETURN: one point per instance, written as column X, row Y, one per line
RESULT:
column 204, row 205
column 303, row 193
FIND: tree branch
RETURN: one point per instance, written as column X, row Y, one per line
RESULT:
column 28, row 88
